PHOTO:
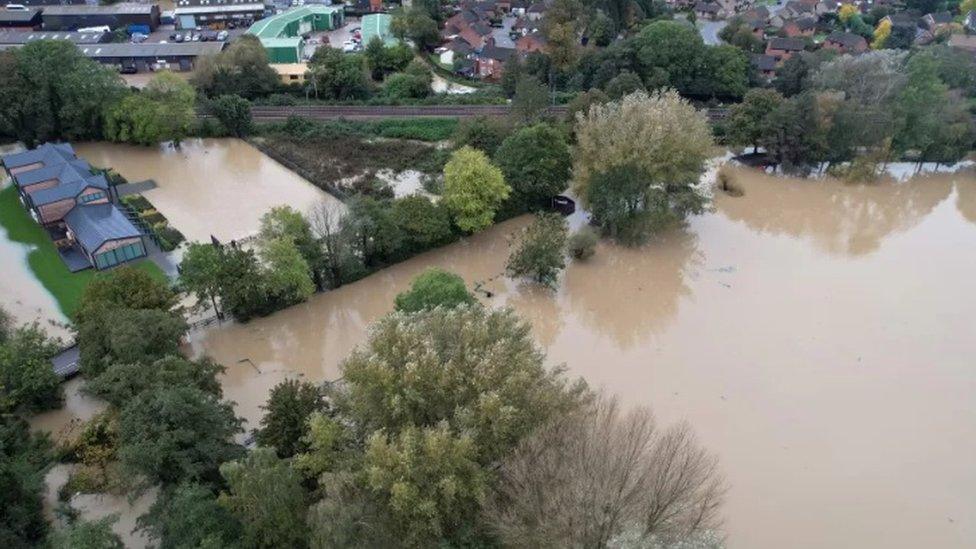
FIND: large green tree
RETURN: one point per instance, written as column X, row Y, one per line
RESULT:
column 188, row 515
column 241, row 69
column 50, row 91
column 27, row 381
column 746, row 124
column 660, row 136
column 286, row 414
column 83, row 534
column 177, row 434
column 122, row 382
column 335, row 75
column 434, row 288
column 422, row 223
column 265, row 494
column 163, row 111
column 539, row 250
column 200, row 272
column 536, row 162
column 474, row 188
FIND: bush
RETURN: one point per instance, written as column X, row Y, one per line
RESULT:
column 169, row 234
column 151, row 217
column 582, row 245
column 136, row 202
column 434, row 288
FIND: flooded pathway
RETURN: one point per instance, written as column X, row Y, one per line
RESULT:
column 819, row 338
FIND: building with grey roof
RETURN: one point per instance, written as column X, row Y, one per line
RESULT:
column 75, row 205
column 20, row 19
column 69, row 18
column 150, row 56
column 20, row 38
column 104, row 234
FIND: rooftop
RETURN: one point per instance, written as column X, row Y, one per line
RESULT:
column 84, row 9
column 49, row 154
column 68, row 170
column 19, row 16
column 147, row 49
column 96, row 224
column 275, row 26
column 377, row 25
column 787, row 44
column 68, row 189
column 23, row 37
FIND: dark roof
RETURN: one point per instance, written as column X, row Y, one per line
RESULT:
column 114, row 9
column 497, row 53
column 481, row 28
column 846, row 39
column 903, row 19
column 96, row 224
column 68, row 189
column 146, row 49
column 806, row 23
column 764, row 62
column 459, row 46
column 23, row 37
column 537, row 7
column 69, row 170
column 65, row 363
column 787, row 44
column 707, row 7
column 19, row 16
column 941, row 17
column 48, row 154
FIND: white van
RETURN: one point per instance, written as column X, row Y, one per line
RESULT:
column 16, row 7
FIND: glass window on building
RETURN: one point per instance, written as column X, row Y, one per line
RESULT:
column 121, row 254
column 86, row 198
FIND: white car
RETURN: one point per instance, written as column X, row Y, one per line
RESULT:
column 349, row 46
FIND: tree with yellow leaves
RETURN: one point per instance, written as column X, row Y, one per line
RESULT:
column 881, row 33
column 845, row 12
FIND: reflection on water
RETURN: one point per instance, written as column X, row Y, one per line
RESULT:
column 207, row 187
column 817, row 335
column 65, row 423
column 841, row 218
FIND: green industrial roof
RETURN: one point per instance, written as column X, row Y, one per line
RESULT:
column 377, row 24
column 274, row 26
column 281, row 42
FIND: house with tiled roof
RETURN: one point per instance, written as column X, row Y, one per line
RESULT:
column 845, row 42
column 73, row 203
column 784, row 48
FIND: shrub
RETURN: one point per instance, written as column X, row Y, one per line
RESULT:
column 582, row 245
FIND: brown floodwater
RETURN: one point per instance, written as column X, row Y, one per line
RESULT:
column 818, row 336
column 218, row 187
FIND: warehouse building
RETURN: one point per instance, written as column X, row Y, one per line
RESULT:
column 27, row 19
column 282, row 34
column 192, row 14
column 20, row 38
column 377, row 25
column 146, row 56
column 70, row 18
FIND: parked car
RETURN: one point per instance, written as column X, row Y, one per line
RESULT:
column 222, row 36
column 138, row 37
column 178, row 38
column 349, row 46
column 127, row 70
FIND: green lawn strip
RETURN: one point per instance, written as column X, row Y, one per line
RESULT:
column 65, row 286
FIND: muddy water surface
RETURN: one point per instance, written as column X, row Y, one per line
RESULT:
column 819, row 338
column 207, row 187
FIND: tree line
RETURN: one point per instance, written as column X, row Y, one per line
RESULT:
column 856, row 113
column 446, row 452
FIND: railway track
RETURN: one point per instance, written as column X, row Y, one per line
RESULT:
column 359, row 112
column 356, row 112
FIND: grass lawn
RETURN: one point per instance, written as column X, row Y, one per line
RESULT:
column 44, row 261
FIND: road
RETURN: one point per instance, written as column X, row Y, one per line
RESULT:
column 357, row 112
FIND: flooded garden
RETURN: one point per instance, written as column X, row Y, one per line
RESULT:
column 218, row 187
column 816, row 335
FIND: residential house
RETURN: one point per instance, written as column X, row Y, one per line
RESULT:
column 783, row 48
column 845, row 42
column 765, row 65
column 804, row 26
column 454, row 50
column 963, row 42
column 936, row 21
column 758, row 15
column 491, row 61
column 529, row 43
column 74, row 205
column 707, row 10
column 536, row 11
column 827, row 6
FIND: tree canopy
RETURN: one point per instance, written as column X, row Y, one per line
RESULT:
column 434, row 288
column 474, row 188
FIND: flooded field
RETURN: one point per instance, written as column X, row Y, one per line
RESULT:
column 818, row 337
column 23, row 296
column 218, row 187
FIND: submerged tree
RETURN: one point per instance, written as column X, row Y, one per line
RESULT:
column 539, row 250
column 286, row 416
column 474, row 188
column 660, row 136
column 434, row 288
column 590, row 477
